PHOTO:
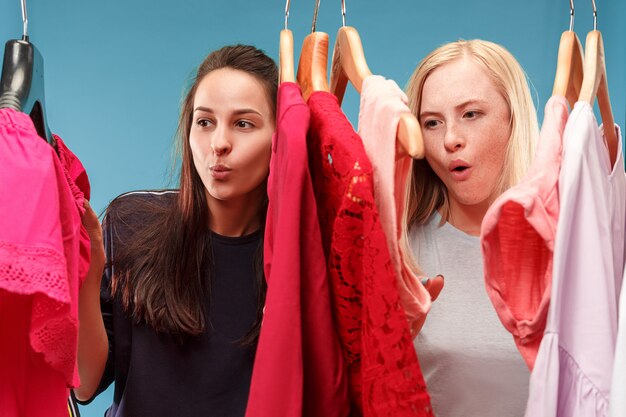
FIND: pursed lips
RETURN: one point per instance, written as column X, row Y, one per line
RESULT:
column 459, row 169
column 220, row 171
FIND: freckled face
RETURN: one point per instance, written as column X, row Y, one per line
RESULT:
column 231, row 134
column 466, row 127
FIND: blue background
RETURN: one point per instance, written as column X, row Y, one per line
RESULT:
column 115, row 71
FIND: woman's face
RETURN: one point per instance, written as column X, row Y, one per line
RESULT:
column 466, row 127
column 231, row 134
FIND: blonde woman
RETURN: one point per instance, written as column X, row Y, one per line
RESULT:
column 480, row 127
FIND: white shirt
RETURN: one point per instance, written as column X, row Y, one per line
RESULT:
column 469, row 360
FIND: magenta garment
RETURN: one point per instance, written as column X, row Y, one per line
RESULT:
column 29, row 387
column 39, row 271
column 517, row 238
column 572, row 373
column 298, row 368
column 382, row 104
column 38, row 240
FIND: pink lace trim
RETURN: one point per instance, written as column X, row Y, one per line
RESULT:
column 42, row 273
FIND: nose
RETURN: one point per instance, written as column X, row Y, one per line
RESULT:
column 220, row 141
column 454, row 139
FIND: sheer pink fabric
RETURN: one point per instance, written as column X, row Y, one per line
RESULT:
column 382, row 104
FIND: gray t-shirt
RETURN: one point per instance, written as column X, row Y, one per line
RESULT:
column 469, row 360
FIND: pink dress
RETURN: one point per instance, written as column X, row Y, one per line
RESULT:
column 517, row 238
column 298, row 367
column 382, row 104
column 572, row 373
column 39, row 254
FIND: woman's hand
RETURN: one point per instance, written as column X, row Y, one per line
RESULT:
column 94, row 229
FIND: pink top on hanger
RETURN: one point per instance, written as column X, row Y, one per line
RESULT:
column 39, row 230
column 572, row 373
column 298, row 367
column 517, row 239
column 382, row 104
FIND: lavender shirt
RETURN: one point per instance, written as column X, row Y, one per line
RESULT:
column 572, row 374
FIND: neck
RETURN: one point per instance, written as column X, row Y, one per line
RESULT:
column 468, row 218
column 235, row 217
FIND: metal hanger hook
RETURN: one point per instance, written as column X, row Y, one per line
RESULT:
column 343, row 12
column 571, row 15
column 287, row 13
column 595, row 15
column 317, row 7
column 24, row 20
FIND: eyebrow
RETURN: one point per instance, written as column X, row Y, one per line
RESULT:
column 238, row 111
column 459, row 106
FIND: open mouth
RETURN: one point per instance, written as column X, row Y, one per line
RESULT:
column 460, row 169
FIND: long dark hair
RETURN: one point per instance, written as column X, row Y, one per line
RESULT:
column 160, row 270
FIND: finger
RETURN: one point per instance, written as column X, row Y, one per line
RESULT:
column 434, row 286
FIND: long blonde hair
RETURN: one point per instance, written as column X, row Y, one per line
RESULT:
column 426, row 192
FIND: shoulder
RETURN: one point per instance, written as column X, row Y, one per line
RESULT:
column 140, row 197
column 432, row 225
column 140, row 201
column 136, row 209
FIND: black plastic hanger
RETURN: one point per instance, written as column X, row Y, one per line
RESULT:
column 22, row 83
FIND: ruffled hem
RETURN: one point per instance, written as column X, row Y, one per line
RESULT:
column 560, row 387
column 42, row 274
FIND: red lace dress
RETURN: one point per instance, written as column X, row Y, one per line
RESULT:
column 384, row 374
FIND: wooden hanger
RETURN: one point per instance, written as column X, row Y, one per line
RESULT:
column 349, row 64
column 285, row 52
column 569, row 69
column 595, row 84
column 313, row 64
column 285, row 57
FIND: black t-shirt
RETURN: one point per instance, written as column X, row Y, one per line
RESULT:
column 208, row 375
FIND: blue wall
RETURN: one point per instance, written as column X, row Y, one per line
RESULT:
column 116, row 70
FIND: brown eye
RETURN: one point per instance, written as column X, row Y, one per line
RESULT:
column 429, row 124
column 244, row 124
